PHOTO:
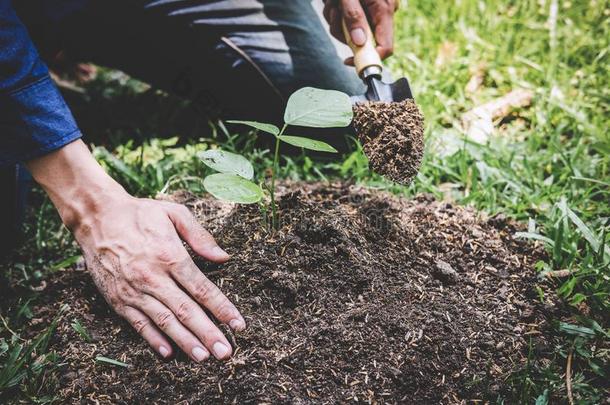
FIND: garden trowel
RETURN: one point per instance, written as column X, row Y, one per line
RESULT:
column 369, row 68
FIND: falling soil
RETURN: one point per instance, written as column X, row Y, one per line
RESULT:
column 359, row 296
column 392, row 136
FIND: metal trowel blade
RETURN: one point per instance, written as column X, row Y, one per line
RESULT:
column 377, row 90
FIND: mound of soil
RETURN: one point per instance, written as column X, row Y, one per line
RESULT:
column 392, row 136
column 359, row 296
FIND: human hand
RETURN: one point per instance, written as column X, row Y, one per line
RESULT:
column 134, row 251
column 380, row 13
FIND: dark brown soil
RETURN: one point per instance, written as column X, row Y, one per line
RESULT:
column 392, row 136
column 359, row 296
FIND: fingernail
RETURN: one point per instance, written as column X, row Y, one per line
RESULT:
column 219, row 252
column 358, row 36
column 200, row 354
column 237, row 325
column 220, row 350
column 163, row 351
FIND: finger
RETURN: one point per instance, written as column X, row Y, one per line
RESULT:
column 165, row 319
column 209, row 295
column 191, row 316
column 384, row 35
column 328, row 5
column 145, row 328
column 384, row 53
column 336, row 27
column 195, row 235
column 355, row 20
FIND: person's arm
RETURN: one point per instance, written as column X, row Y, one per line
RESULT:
column 380, row 17
column 133, row 247
column 34, row 119
column 134, row 252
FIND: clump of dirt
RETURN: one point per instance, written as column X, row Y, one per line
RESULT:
column 359, row 296
column 392, row 136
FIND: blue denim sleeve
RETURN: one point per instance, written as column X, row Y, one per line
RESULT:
column 34, row 118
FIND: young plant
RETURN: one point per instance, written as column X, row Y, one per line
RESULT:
column 307, row 107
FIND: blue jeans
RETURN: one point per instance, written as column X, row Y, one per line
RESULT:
column 232, row 58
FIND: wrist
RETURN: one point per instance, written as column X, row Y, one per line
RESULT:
column 75, row 182
column 82, row 203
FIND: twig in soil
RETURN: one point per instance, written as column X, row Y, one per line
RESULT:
column 559, row 273
column 569, row 378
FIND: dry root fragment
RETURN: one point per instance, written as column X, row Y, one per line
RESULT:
column 392, row 136
column 478, row 123
column 476, row 80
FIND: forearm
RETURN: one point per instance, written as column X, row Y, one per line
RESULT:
column 74, row 181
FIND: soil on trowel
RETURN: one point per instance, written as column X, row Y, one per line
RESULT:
column 360, row 295
column 392, row 136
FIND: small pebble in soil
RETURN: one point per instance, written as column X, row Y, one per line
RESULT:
column 445, row 273
column 392, row 136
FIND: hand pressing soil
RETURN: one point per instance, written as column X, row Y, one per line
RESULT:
column 359, row 296
column 392, row 136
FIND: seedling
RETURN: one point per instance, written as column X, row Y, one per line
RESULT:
column 307, row 107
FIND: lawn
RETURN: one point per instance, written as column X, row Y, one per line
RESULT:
column 544, row 164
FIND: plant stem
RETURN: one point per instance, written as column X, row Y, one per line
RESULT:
column 276, row 163
column 263, row 211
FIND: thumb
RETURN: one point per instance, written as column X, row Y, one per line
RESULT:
column 355, row 20
column 200, row 240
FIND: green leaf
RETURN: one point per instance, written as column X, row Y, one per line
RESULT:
column 576, row 330
column 19, row 363
column 311, row 107
column 591, row 323
column 565, row 290
column 229, row 187
column 3, row 346
column 80, row 329
column 307, row 143
column 535, row 236
column 102, row 359
column 597, row 369
column 70, row 261
column 584, row 230
column 543, row 399
column 577, row 298
column 227, row 162
column 271, row 129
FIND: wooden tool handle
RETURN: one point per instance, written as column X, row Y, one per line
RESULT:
column 365, row 55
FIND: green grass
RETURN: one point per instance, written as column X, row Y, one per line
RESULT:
column 547, row 164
